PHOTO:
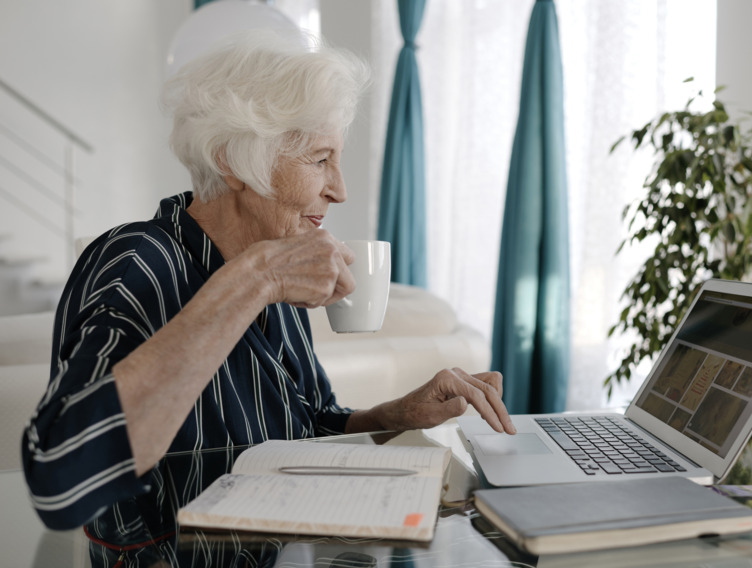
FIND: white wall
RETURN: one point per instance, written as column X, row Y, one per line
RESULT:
column 347, row 23
column 97, row 67
column 733, row 56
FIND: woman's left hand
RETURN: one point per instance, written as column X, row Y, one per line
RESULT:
column 443, row 397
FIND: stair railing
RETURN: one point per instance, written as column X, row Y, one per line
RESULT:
column 67, row 173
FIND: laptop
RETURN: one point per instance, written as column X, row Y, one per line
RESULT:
column 691, row 417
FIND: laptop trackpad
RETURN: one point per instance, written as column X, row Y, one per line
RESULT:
column 505, row 445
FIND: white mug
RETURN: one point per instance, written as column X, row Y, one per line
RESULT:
column 364, row 308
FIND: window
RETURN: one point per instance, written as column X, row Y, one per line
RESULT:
column 624, row 62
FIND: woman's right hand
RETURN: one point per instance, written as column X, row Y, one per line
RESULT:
column 306, row 270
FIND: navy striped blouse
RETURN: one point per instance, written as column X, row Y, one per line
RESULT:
column 126, row 285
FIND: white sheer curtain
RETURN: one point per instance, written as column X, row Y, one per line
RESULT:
column 624, row 62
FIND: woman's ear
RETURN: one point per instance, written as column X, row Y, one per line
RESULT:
column 232, row 182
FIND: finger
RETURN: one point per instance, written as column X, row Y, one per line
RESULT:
column 492, row 378
column 345, row 280
column 506, row 420
column 486, row 399
column 344, row 285
column 347, row 253
column 495, row 379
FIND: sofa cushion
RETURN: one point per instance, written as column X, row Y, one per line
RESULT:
column 411, row 311
column 21, row 389
column 367, row 372
column 26, row 339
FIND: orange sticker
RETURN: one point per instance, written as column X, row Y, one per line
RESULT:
column 413, row 520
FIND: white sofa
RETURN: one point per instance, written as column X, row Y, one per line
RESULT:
column 25, row 346
column 420, row 336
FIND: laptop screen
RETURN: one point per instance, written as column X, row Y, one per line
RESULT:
column 703, row 384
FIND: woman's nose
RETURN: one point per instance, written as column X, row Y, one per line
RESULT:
column 336, row 189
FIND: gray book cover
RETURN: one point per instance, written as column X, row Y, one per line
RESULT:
column 596, row 515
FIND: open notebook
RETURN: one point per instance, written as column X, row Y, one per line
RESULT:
column 691, row 417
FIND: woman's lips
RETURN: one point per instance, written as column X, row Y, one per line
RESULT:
column 315, row 219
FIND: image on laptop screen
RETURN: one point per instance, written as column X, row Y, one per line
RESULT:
column 703, row 386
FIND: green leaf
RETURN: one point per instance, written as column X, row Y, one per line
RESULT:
column 639, row 135
column 729, row 134
column 615, row 144
column 729, row 232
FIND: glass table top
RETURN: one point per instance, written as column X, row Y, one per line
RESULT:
column 462, row 538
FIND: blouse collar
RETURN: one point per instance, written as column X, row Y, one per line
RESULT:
column 188, row 232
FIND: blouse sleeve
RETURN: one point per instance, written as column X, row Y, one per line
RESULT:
column 76, row 454
column 332, row 418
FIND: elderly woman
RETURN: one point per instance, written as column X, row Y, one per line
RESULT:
column 190, row 330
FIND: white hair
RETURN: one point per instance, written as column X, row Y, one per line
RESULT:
column 257, row 97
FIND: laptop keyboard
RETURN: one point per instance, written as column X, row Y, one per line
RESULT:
column 600, row 444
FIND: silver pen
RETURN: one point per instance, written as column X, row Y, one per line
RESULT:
column 329, row 470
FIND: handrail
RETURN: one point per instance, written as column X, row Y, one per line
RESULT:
column 67, row 172
column 33, row 213
column 72, row 136
column 32, row 150
column 39, row 186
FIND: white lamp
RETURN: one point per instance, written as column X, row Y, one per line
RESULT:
column 216, row 20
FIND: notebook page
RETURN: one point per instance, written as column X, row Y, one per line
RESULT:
column 387, row 507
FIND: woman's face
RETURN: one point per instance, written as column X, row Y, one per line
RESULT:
column 304, row 187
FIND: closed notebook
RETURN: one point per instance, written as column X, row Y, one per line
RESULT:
column 574, row 517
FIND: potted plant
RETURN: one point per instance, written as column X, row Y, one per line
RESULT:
column 697, row 210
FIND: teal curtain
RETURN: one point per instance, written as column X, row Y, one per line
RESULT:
column 199, row 3
column 402, row 215
column 531, row 322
